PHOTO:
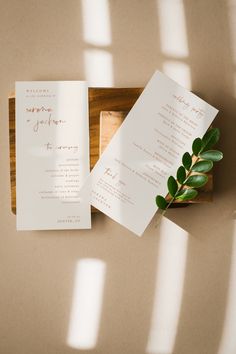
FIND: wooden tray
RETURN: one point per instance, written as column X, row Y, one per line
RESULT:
column 100, row 99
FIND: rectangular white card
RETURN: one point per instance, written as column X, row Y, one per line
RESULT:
column 146, row 149
column 52, row 155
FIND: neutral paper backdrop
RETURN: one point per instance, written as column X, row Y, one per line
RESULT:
column 173, row 291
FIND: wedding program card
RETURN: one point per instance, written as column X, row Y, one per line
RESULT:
column 146, row 150
column 52, row 155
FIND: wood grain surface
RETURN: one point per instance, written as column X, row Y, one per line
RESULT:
column 115, row 103
column 109, row 123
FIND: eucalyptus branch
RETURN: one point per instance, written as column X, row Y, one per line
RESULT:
column 192, row 173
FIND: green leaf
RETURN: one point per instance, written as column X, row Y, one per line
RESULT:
column 172, row 186
column 181, row 174
column 187, row 194
column 197, row 145
column 187, row 160
column 210, row 138
column 161, row 202
column 212, row 155
column 196, row 181
column 202, row 166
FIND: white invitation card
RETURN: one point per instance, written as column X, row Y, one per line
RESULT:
column 52, row 155
column 146, row 150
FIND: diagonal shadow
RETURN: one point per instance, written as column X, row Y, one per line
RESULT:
column 209, row 254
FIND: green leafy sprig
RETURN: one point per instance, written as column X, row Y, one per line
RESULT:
column 192, row 173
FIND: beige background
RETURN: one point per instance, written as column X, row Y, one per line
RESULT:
column 190, row 275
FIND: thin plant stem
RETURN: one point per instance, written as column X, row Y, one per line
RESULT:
column 180, row 186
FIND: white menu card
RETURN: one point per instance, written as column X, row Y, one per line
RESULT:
column 146, row 150
column 52, row 155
